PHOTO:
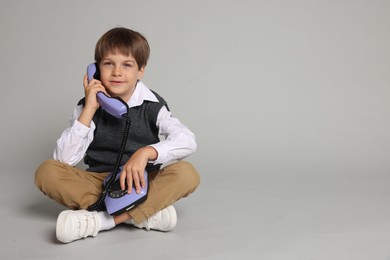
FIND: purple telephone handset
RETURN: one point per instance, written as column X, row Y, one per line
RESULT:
column 113, row 105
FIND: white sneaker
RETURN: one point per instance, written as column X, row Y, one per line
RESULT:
column 77, row 224
column 164, row 220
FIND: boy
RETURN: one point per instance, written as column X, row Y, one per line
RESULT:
column 94, row 135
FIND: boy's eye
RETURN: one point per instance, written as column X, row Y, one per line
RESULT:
column 128, row 65
column 107, row 63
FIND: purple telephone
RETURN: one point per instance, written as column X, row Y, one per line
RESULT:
column 115, row 199
column 118, row 201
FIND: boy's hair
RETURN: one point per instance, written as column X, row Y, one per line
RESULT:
column 124, row 41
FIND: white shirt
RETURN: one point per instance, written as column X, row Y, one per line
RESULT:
column 178, row 142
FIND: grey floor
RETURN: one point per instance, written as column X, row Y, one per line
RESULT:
column 266, row 216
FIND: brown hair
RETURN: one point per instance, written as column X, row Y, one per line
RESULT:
column 124, row 41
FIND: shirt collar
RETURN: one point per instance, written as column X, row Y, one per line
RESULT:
column 141, row 93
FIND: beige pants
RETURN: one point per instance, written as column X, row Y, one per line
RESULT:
column 78, row 189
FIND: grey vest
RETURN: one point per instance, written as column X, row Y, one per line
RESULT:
column 102, row 153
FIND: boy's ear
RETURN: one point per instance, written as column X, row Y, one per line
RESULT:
column 141, row 72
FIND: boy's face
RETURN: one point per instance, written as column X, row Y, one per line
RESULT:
column 119, row 75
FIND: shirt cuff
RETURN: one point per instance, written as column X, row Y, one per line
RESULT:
column 161, row 156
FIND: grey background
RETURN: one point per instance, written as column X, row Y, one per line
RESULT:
column 288, row 100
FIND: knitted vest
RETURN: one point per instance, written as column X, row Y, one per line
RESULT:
column 102, row 153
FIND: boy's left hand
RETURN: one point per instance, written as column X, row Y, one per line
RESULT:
column 133, row 170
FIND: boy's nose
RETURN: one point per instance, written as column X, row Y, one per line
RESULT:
column 116, row 71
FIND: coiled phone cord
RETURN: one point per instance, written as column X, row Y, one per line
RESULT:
column 99, row 204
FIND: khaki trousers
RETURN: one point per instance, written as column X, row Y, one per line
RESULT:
column 78, row 189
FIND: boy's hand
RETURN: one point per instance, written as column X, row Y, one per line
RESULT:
column 91, row 105
column 133, row 170
column 91, row 89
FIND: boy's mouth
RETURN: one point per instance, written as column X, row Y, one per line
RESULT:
column 117, row 82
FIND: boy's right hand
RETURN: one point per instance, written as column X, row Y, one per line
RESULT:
column 90, row 90
column 91, row 105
